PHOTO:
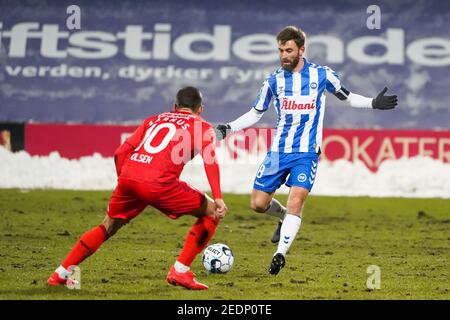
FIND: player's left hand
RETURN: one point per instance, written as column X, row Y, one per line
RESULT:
column 221, row 208
column 384, row 102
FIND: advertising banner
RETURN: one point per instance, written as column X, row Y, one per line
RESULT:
column 120, row 61
column 371, row 147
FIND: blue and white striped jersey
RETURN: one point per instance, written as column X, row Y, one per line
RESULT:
column 299, row 100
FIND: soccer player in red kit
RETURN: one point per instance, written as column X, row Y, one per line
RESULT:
column 149, row 164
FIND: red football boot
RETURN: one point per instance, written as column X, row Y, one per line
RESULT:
column 55, row 280
column 186, row 279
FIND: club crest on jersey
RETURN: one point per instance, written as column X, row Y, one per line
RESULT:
column 290, row 104
column 313, row 85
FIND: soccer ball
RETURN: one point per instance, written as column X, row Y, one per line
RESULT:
column 218, row 258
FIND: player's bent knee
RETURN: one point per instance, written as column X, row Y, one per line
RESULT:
column 260, row 201
column 206, row 209
column 259, row 206
column 113, row 225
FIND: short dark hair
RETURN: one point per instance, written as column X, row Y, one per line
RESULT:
column 189, row 97
column 292, row 33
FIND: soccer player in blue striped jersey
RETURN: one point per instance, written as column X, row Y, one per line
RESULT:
column 297, row 91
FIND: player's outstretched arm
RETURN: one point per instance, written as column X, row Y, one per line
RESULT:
column 246, row 120
column 381, row 101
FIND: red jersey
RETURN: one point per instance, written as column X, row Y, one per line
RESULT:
column 162, row 145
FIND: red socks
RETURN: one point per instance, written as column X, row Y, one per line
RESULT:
column 197, row 239
column 86, row 246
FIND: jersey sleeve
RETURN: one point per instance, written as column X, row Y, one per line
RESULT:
column 333, row 83
column 138, row 134
column 206, row 146
column 129, row 144
column 264, row 97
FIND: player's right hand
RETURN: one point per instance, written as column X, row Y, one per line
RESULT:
column 221, row 208
column 222, row 130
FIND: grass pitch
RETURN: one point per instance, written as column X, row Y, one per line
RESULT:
column 408, row 239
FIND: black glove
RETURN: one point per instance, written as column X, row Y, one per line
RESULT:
column 384, row 102
column 222, row 130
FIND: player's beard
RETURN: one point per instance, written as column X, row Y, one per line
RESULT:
column 290, row 66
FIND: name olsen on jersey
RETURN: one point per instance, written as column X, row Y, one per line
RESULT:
column 289, row 104
column 142, row 158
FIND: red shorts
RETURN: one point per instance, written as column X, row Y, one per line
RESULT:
column 131, row 197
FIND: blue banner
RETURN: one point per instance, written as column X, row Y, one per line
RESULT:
column 116, row 62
